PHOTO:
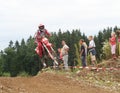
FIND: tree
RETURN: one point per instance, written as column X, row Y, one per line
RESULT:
column 20, row 56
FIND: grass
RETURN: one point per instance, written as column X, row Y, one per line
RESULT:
column 23, row 74
column 6, row 74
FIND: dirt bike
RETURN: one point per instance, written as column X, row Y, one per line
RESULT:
column 51, row 52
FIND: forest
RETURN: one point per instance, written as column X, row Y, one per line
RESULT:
column 20, row 57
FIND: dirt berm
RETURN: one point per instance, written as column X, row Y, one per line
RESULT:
column 46, row 83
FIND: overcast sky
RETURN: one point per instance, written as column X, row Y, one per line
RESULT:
column 20, row 18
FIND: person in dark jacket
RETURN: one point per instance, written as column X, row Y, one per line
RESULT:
column 83, row 53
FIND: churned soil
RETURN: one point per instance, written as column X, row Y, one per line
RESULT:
column 46, row 83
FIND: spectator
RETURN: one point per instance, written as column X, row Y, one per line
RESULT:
column 83, row 53
column 60, row 54
column 86, row 51
column 112, row 41
column 92, row 50
column 118, row 35
column 64, row 52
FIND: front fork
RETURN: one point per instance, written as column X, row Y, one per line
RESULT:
column 52, row 55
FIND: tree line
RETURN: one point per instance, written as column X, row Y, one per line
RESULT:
column 20, row 56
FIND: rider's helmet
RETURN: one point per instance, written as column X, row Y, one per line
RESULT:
column 41, row 26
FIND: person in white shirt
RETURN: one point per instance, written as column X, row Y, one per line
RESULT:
column 92, row 50
column 64, row 52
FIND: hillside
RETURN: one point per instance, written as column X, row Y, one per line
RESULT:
column 81, row 81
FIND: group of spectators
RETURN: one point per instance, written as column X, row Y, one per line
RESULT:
column 83, row 52
column 85, row 49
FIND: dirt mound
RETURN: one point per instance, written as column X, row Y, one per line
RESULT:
column 106, row 75
column 46, row 83
column 110, row 63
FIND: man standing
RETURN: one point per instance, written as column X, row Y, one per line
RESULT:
column 64, row 52
column 83, row 53
column 86, row 50
column 92, row 50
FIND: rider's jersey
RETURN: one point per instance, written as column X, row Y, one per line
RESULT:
column 40, row 34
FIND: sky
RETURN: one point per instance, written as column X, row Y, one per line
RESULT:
column 20, row 18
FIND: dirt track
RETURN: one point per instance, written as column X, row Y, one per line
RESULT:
column 46, row 83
